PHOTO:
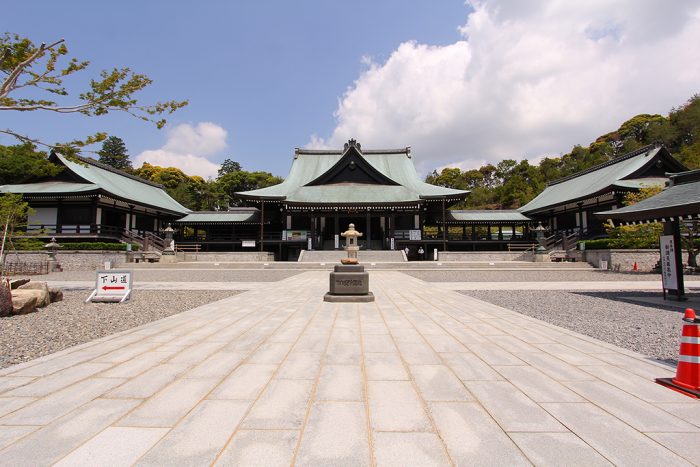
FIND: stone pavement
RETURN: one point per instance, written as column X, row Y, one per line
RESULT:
column 276, row 376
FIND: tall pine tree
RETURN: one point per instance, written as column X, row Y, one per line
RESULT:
column 114, row 154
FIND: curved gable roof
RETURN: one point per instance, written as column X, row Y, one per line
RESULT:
column 311, row 165
column 602, row 178
column 122, row 185
column 680, row 199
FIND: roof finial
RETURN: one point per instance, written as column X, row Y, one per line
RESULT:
column 352, row 143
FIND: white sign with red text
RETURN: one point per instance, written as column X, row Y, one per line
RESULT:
column 111, row 286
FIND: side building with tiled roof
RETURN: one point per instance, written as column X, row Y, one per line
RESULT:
column 568, row 204
column 88, row 199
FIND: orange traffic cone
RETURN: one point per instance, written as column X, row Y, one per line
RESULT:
column 687, row 380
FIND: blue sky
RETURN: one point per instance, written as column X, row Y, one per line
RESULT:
column 461, row 84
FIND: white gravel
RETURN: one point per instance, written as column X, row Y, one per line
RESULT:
column 607, row 316
column 72, row 322
column 192, row 275
column 527, row 275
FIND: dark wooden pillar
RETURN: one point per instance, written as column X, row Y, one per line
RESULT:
column 131, row 221
column 580, row 217
column 59, row 215
column 464, row 231
column 336, row 228
column 500, row 232
column 444, row 225
column 93, row 215
column 369, row 230
column 262, row 225
column 393, row 228
column 313, row 231
column 473, row 231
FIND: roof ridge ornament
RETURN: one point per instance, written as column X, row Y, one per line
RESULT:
column 352, row 142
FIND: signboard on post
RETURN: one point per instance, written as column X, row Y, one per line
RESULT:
column 669, row 277
column 336, row 240
column 111, row 286
column 414, row 234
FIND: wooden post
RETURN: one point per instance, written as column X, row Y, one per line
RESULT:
column 313, row 231
column 93, row 215
column 368, row 236
column 336, row 222
column 262, row 224
column 444, row 226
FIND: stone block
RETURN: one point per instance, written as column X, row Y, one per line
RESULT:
column 16, row 283
column 349, row 283
column 55, row 294
column 348, row 268
column 41, row 290
column 23, row 303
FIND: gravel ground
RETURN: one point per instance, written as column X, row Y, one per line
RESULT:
column 192, row 275
column 72, row 322
column 528, row 276
column 604, row 315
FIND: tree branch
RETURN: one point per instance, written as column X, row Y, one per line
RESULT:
column 10, row 81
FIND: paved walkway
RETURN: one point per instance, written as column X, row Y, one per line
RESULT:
column 273, row 376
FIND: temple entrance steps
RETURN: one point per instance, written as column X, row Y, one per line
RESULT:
column 365, row 256
column 523, row 266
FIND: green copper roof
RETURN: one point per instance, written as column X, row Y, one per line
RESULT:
column 50, row 188
column 487, row 216
column 602, row 178
column 680, row 199
column 122, row 185
column 642, row 182
column 308, row 165
column 221, row 217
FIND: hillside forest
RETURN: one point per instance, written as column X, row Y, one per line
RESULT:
column 508, row 184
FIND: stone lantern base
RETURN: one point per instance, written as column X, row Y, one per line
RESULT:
column 349, row 283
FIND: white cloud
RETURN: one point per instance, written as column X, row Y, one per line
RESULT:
column 527, row 79
column 187, row 147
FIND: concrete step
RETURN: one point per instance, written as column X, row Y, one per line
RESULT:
column 364, row 256
column 328, row 265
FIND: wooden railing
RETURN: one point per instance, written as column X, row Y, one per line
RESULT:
column 145, row 239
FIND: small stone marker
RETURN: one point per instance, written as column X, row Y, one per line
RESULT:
column 111, row 286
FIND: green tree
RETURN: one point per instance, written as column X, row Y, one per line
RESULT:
column 244, row 181
column 114, row 154
column 228, row 166
column 13, row 214
column 636, row 236
column 33, row 79
column 22, row 162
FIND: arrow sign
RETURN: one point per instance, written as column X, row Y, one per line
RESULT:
column 107, row 287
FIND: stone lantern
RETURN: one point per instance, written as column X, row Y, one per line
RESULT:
column 349, row 282
column 168, row 254
column 541, row 255
column 169, row 242
column 351, row 244
column 51, row 248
